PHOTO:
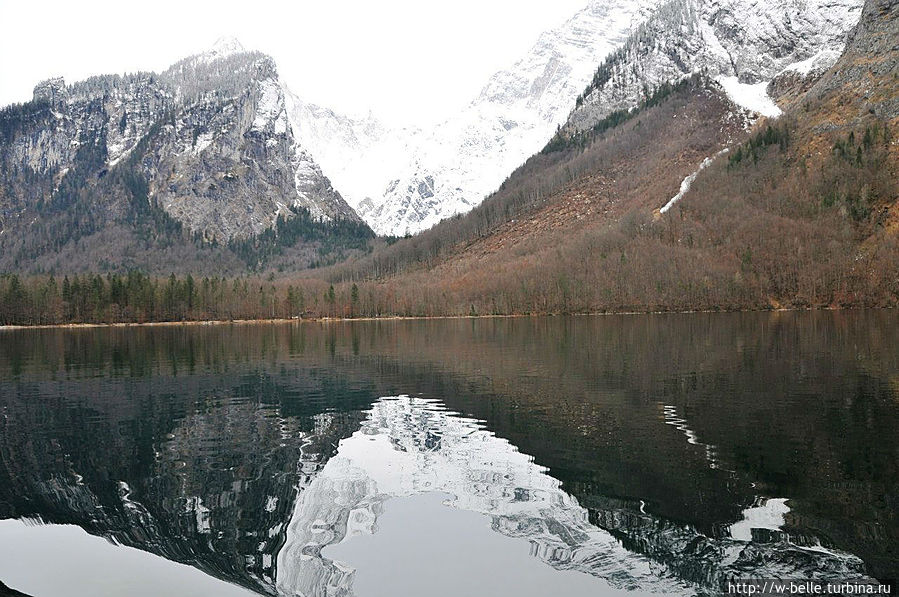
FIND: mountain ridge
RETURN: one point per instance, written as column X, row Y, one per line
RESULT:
column 448, row 169
column 455, row 165
column 733, row 42
column 203, row 150
column 800, row 211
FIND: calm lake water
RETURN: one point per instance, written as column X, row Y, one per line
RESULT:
column 555, row 456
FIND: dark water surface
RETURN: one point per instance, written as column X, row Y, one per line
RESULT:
column 577, row 456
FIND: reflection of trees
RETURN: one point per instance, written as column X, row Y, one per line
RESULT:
column 201, row 469
column 191, row 419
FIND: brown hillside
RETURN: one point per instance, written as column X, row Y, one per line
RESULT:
column 801, row 213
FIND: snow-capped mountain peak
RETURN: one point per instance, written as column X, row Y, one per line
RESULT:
column 223, row 47
column 743, row 45
column 407, row 180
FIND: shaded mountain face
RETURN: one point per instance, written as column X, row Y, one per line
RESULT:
column 204, row 147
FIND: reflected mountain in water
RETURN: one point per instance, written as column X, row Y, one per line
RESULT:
column 199, row 470
column 665, row 454
column 411, row 446
column 221, row 489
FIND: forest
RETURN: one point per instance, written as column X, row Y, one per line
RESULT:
column 138, row 298
column 788, row 218
column 758, row 234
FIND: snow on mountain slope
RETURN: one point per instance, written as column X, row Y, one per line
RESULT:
column 467, row 157
column 743, row 44
column 359, row 154
column 408, row 180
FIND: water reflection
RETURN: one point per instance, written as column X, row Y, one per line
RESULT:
column 655, row 453
column 409, row 446
column 76, row 564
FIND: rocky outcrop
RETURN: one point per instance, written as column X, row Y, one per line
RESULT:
column 867, row 72
column 741, row 44
column 207, row 141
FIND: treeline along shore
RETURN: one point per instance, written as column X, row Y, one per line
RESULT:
column 137, row 298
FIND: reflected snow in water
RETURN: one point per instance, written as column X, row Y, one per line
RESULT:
column 76, row 564
column 409, row 447
column 577, row 456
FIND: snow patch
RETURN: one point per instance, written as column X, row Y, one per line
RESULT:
column 817, row 63
column 203, row 141
column 750, row 96
column 767, row 514
column 688, row 181
column 270, row 105
column 119, row 154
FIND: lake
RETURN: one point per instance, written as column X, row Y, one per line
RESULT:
column 608, row 455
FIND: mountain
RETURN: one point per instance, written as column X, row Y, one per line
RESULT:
column 686, row 200
column 359, row 153
column 468, row 156
column 203, row 150
column 407, row 180
column 742, row 45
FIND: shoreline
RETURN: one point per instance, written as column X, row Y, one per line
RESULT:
column 320, row 320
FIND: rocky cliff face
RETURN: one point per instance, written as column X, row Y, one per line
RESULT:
column 407, row 180
column 421, row 177
column 743, row 45
column 207, row 142
column 866, row 73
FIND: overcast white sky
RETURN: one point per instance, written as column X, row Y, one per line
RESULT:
column 409, row 61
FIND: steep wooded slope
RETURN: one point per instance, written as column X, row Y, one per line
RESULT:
column 800, row 212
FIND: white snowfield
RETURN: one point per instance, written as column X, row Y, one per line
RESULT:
column 408, row 180
column 753, row 96
column 404, row 181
